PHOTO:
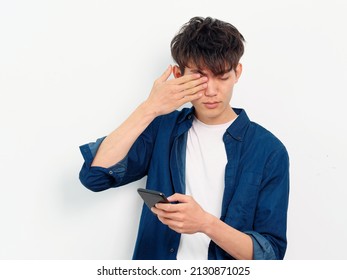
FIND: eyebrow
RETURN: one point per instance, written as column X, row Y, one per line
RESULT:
column 205, row 74
column 198, row 71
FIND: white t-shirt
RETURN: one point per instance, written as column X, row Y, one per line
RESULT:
column 205, row 168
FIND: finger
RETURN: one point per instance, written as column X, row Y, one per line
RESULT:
column 166, row 74
column 166, row 207
column 194, row 83
column 189, row 98
column 175, row 225
column 170, row 223
column 178, row 197
column 192, row 91
column 187, row 78
column 170, row 216
column 193, row 86
column 161, row 213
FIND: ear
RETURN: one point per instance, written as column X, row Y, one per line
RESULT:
column 238, row 71
column 176, row 71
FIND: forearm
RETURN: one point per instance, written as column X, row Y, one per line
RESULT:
column 118, row 143
column 234, row 242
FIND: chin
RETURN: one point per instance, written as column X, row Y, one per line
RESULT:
column 208, row 117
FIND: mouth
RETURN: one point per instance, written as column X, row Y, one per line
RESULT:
column 211, row 105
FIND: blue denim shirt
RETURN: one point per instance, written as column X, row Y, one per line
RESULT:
column 255, row 199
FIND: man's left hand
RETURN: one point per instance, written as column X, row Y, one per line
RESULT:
column 185, row 216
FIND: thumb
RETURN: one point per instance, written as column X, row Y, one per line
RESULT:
column 178, row 197
column 166, row 74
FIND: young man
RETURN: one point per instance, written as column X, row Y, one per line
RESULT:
column 228, row 176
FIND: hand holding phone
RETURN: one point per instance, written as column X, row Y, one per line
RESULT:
column 151, row 197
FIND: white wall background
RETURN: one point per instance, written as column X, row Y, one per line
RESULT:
column 73, row 70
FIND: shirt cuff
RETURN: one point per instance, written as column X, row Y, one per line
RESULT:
column 89, row 150
column 262, row 249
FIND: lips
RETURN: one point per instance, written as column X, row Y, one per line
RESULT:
column 211, row 105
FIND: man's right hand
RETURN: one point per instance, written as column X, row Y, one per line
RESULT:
column 168, row 95
column 165, row 97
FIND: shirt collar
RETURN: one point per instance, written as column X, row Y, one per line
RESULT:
column 237, row 129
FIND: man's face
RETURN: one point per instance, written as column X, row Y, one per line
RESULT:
column 214, row 106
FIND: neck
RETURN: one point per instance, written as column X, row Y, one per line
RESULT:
column 226, row 116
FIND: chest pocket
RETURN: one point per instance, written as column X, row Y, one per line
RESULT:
column 242, row 207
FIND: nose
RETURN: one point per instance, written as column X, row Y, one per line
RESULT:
column 211, row 89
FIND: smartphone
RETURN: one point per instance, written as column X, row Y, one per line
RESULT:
column 151, row 197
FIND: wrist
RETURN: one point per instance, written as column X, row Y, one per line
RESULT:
column 147, row 111
column 208, row 224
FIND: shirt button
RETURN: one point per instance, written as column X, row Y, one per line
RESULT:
column 110, row 172
column 172, row 250
column 189, row 117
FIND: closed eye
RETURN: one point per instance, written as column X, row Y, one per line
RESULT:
column 224, row 78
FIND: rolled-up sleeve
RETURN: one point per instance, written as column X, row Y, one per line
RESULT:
column 262, row 249
column 97, row 178
column 89, row 150
column 131, row 168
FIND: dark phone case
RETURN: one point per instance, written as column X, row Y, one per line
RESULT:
column 152, row 197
